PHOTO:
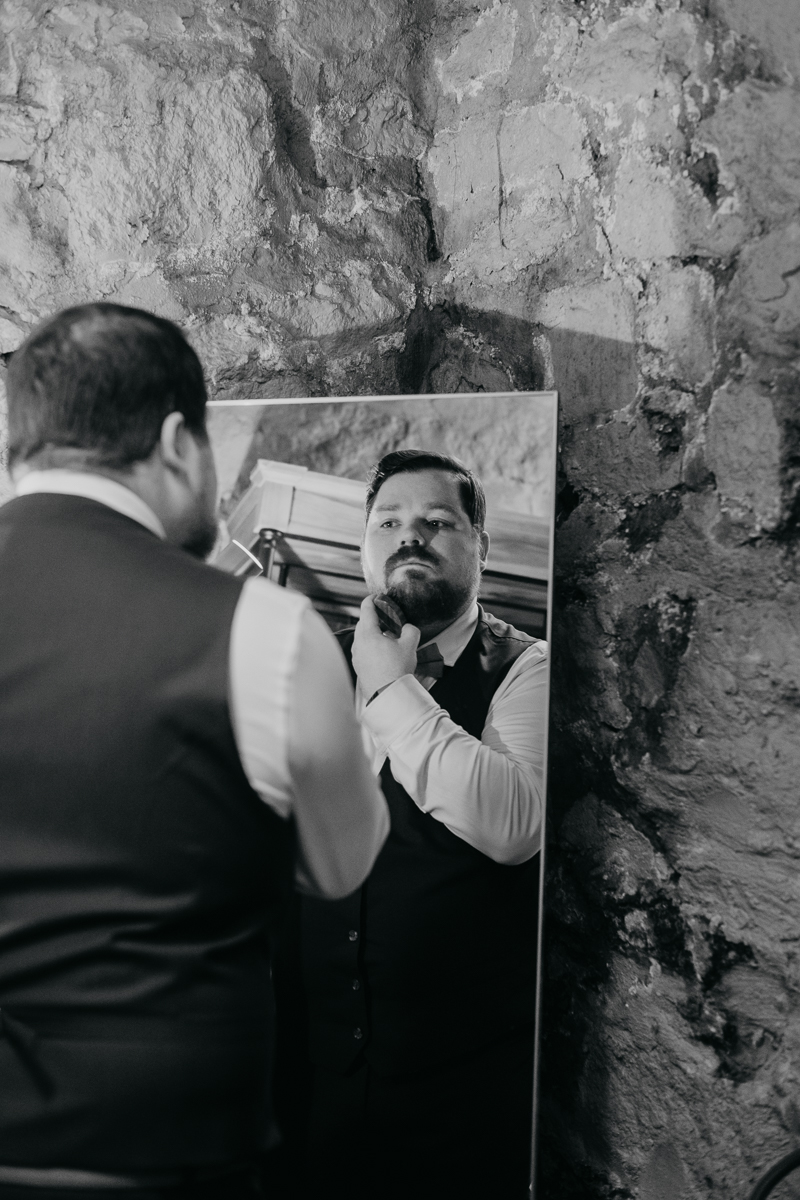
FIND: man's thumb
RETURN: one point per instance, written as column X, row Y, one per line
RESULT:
column 409, row 637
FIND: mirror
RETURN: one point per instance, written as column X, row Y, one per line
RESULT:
column 292, row 490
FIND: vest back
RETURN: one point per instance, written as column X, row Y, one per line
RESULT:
column 141, row 873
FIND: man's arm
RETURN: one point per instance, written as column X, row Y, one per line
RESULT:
column 298, row 739
column 488, row 792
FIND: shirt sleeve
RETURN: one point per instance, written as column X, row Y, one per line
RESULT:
column 488, row 792
column 299, row 742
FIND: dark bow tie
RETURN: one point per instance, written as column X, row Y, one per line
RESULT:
column 430, row 662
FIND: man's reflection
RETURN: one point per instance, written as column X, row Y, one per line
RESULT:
column 420, row 987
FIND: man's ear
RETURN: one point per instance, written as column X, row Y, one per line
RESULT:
column 173, row 442
column 484, row 552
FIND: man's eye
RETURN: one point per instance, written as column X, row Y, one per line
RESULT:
column 437, row 523
column 387, row 524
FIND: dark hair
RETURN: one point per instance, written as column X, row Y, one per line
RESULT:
column 472, row 495
column 101, row 378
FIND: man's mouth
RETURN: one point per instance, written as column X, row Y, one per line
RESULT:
column 410, row 560
column 413, row 564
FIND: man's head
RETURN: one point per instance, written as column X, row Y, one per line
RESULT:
column 424, row 542
column 119, row 392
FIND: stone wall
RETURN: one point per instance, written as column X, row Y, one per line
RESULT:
column 390, row 196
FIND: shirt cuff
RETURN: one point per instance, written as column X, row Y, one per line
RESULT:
column 397, row 710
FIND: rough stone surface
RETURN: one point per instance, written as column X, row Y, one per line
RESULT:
column 743, row 451
column 595, row 195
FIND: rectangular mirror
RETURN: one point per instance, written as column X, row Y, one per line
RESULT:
column 292, row 493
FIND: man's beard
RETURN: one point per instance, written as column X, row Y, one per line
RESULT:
column 201, row 539
column 428, row 601
column 425, row 600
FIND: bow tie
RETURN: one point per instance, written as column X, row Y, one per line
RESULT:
column 430, row 662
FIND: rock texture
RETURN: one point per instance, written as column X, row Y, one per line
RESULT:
column 594, row 195
column 249, row 169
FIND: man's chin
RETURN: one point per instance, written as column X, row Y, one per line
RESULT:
column 424, row 600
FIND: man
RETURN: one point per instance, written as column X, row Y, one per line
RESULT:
column 420, row 988
column 172, row 741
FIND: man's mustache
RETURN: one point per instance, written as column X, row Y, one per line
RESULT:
column 406, row 553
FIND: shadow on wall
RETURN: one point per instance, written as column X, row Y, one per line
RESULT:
column 449, row 348
column 454, row 349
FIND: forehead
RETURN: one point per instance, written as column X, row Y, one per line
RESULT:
column 430, row 488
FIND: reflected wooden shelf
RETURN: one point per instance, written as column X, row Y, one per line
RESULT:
column 305, row 528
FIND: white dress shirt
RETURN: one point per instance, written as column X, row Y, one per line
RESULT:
column 488, row 792
column 291, row 706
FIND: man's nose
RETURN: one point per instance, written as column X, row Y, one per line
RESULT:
column 412, row 535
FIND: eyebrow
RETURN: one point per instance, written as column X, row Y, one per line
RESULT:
column 448, row 508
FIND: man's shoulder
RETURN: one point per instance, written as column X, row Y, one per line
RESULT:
column 159, row 573
column 501, row 645
column 183, row 568
column 495, row 631
column 116, row 546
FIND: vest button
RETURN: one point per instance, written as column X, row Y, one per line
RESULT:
column 356, row 984
column 353, row 935
column 357, row 1033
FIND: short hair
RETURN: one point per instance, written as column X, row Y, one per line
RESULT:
column 471, row 490
column 101, row 378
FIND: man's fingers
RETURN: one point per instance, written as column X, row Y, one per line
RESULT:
column 369, row 615
column 409, row 637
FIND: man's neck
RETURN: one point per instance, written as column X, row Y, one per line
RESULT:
column 91, row 486
column 77, row 462
column 432, row 629
column 141, row 478
column 429, row 632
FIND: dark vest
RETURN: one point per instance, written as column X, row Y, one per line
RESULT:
column 141, row 875
column 435, row 956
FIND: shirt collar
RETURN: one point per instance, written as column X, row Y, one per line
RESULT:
column 92, row 487
column 453, row 640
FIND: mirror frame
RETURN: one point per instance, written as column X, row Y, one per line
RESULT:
column 550, row 397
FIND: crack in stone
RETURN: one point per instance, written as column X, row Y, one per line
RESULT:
column 501, row 200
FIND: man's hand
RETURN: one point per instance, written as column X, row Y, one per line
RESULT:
column 379, row 658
